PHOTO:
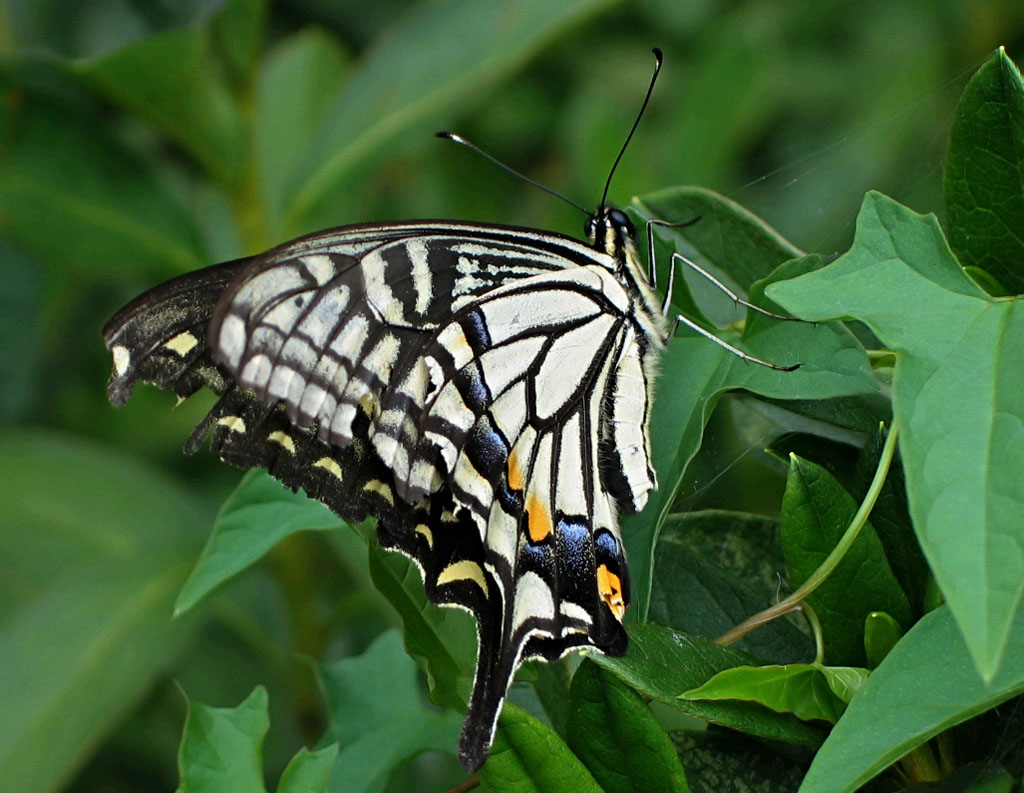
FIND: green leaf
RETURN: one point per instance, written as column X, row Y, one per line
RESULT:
column 978, row 777
column 661, row 664
column 93, row 548
column 221, row 752
column 238, row 31
column 442, row 638
column 984, row 177
column 986, row 281
column 91, row 29
column 552, row 690
column 927, row 684
column 860, row 412
column 881, row 632
column 297, row 80
column 221, row 747
column 837, row 458
column 816, row 511
column 714, row 569
column 20, row 326
column 721, row 761
column 415, row 74
column 808, row 691
column 258, row 515
column 79, row 200
column 958, row 398
column 696, row 372
column 308, row 772
column 612, row 730
column 529, row 757
column 378, row 716
column 173, row 81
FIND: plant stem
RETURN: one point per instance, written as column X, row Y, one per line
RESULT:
column 793, row 602
column 819, row 640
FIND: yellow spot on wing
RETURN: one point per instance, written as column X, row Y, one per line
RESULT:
column 233, row 423
column 515, row 474
column 381, row 489
column 538, row 521
column 182, row 343
column 466, row 570
column 610, row 587
column 368, row 403
column 283, row 438
column 423, row 529
column 330, row 466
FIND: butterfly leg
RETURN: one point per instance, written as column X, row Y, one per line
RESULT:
column 678, row 258
column 680, row 319
column 652, row 273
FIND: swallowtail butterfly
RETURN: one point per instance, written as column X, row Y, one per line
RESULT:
column 483, row 391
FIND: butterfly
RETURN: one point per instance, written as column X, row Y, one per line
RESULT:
column 483, row 391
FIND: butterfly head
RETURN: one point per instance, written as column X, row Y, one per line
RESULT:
column 610, row 230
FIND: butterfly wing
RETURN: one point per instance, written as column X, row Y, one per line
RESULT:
column 529, row 371
column 482, row 391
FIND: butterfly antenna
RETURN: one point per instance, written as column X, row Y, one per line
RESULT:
column 459, row 139
column 643, row 107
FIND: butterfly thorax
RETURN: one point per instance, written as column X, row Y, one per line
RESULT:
column 610, row 231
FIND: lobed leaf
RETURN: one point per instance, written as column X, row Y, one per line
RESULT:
column 221, row 752
column 221, row 749
column 958, row 400
column 378, row 716
column 308, row 772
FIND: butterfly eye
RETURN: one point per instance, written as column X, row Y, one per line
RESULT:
column 620, row 221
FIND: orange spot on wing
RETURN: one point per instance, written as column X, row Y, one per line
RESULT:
column 538, row 521
column 515, row 473
column 610, row 587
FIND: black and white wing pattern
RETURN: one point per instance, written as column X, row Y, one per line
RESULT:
column 483, row 391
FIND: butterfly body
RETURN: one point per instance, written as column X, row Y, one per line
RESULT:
column 483, row 391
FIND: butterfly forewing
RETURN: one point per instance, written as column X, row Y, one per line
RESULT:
column 482, row 391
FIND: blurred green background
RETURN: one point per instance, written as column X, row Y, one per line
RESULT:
column 143, row 139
